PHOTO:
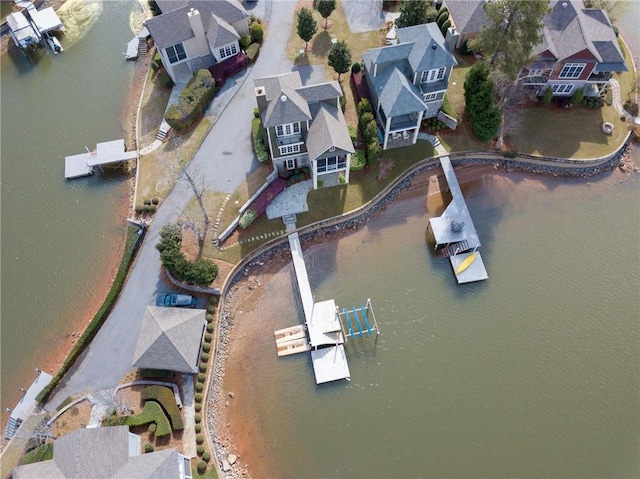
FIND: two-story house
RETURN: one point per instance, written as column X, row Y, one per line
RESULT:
column 303, row 126
column 408, row 81
column 579, row 50
column 195, row 34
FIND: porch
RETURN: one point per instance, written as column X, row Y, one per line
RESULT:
column 399, row 139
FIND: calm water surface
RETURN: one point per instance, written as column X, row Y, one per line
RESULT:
column 58, row 236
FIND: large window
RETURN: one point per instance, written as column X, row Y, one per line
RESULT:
column 176, row 53
column 430, row 96
column 572, row 70
column 228, row 51
column 562, row 88
column 288, row 129
column 430, row 76
column 332, row 163
column 288, row 149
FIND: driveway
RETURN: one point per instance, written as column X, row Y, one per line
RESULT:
column 364, row 15
column 223, row 161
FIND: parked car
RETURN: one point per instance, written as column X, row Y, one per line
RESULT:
column 176, row 300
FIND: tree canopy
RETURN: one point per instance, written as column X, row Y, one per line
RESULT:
column 307, row 26
column 515, row 28
column 340, row 58
column 415, row 12
column 485, row 116
column 325, row 8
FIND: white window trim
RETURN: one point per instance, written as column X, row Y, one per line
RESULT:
column 289, row 149
column 288, row 129
column 536, row 72
column 228, row 51
column 576, row 68
column 432, row 76
column 430, row 96
column 562, row 88
column 177, row 55
column 290, row 164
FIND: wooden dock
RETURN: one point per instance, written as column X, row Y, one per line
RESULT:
column 106, row 153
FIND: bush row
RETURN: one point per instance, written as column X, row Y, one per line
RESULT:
column 258, row 140
column 164, row 396
column 194, row 98
column 151, row 413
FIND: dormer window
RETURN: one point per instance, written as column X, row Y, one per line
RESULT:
column 572, row 70
column 288, row 129
column 430, row 76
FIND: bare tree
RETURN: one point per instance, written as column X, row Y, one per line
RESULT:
column 36, row 431
column 110, row 402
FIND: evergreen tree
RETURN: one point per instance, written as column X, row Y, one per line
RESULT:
column 415, row 12
column 307, row 26
column 485, row 116
column 340, row 58
column 325, row 8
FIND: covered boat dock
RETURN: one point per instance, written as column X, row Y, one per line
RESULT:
column 106, row 153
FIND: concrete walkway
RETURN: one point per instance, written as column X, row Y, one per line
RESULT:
column 188, row 410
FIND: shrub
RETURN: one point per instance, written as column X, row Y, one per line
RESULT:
column 213, row 300
column 577, row 96
column 364, row 107
column 206, row 457
column 201, row 467
column 356, row 67
column 203, row 369
column 152, row 208
column 164, row 396
column 510, row 154
column 146, row 202
column 202, row 377
column 252, row 51
column 151, row 412
column 200, row 450
column 445, row 26
column 258, row 142
column 211, row 309
column 247, row 218
column 152, row 428
column 208, row 317
column 256, row 112
column 209, row 330
column 198, row 397
column 197, row 418
column 443, row 15
column 198, row 427
column 464, row 48
column 353, row 133
column 256, row 32
column 206, row 347
column 199, row 387
column 547, row 96
column 373, row 152
column 208, row 337
column 358, row 161
column 370, row 132
column 204, row 357
column 366, row 118
column 148, row 447
column 197, row 408
column 194, row 98
column 485, row 116
column 199, row 439
column 245, row 41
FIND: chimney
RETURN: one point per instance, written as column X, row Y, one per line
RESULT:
column 195, row 22
column 261, row 98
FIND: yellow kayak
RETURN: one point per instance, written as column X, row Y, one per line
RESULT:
column 466, row 263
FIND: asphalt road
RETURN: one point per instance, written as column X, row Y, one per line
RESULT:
column 223, row 162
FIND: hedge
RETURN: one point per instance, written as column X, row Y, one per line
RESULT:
column 252, row 52
column 247, row 218
column 358, row 161
column 164, row 396
column 130, row 248
column 257, row 33
column 258, row 143
column 194, row 98
column 151, row 412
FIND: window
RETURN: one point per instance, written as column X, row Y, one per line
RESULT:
column 228, row 50
column 290, row 164
column 535, row 72
column 176, row 53
column 562, row 88
column 572, row 70
column 430, row 76
column 332, row 163
column 288, row 149
column 430, row 96
column 289, row 129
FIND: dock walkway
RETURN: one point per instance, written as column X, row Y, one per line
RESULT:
column 106, row 153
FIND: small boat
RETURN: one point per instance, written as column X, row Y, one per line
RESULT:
column 54, row 44
column 466, row 263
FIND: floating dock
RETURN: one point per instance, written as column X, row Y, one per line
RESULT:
column 106, row 153
column 455, row 234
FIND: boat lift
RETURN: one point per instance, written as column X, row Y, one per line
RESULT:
column 358, row 321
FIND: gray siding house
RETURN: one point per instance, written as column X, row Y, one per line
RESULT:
column 195, row 34
column 408, row 81
column 303, row 126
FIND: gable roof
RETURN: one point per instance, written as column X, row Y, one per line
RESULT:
column 101, row 453
column 398, row 95
column 429, row 50
column 467, row 15
column 173, row 26
column 170, row 339
column 220, row 32
column 285, row 104
column 327, row 130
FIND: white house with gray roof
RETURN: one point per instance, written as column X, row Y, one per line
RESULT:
column 106, row 453
column 195, row 34
column 303, row 126
column 408, row 81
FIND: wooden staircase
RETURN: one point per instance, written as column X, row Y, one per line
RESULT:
column 454, row 248
column 142, row 46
